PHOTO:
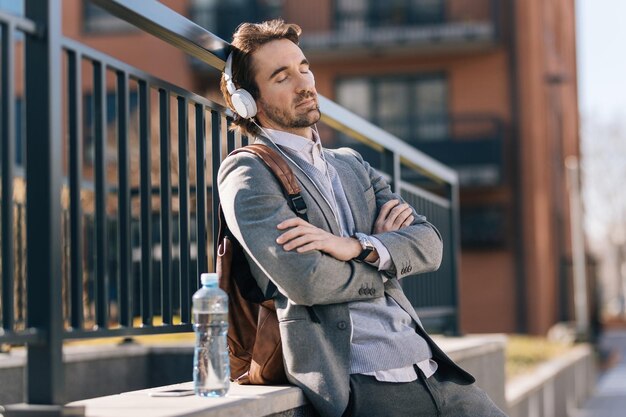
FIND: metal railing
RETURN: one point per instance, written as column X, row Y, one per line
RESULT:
column 69, row 203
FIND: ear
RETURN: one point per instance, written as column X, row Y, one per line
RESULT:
column 260, row 109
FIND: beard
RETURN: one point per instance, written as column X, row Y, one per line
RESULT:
column 284, row 119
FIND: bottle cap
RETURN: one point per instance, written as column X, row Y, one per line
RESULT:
column 209, row 278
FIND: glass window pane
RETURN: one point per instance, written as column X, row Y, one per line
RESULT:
column 411, row 108
column 390, row 13
column 431, row 106
column 427, row 11
column 430, row 96
column 99, row 20
column 203, row 13
column 355, row 95
column 397, row 127
column 351, row 14
column 393, row 99
column 393, row 108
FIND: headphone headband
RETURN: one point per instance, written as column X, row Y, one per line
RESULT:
column 228, row 75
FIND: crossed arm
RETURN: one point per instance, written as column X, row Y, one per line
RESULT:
column 254, row 207
column 301, row 236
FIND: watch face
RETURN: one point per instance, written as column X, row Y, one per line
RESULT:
column 366, row 246
column 365, row 242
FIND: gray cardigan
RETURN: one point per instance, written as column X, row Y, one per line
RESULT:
column 317, row 355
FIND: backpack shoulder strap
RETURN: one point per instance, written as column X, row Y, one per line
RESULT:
column 281, row 170
column 283, row 173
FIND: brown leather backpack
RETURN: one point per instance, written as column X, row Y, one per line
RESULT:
column 254, row 345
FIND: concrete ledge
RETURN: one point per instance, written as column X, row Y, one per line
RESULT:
column 241, row 401
column 556, row 388
column 99, row 371
column 89, row 371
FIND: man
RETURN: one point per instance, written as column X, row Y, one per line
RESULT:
column 351, row 339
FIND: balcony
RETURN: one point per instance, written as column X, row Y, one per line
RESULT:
column 471, row 144
column 422, row 26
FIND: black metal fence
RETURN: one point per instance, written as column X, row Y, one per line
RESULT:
column 110, row 218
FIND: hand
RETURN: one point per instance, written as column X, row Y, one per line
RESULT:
column 393, row 216
column 304, row 237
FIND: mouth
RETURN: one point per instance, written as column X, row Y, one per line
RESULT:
column 307, row 102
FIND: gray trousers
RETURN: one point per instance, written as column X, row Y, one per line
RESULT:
column 436, row 396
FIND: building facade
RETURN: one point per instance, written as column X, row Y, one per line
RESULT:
column 487, row 87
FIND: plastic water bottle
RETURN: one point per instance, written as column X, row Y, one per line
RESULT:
column 211, row 368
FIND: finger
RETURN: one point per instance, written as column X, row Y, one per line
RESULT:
column 292, row 233
column 386, row 208
column 309, row 247
column 395, row 212
column 408, row 221
column 379, row 223
column 300, row 241
column 401, row 217
column 295, row 221
column 399, row 209
column 399, row 222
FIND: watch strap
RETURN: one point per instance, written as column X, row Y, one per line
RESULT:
column 366, row 245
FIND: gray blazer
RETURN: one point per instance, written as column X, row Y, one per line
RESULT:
column 317, row 352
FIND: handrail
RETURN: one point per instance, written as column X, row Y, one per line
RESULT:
column 157, row 19
column 21, row 23
column 354, row 125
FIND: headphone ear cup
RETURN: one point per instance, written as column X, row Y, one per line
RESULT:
column 244, row 103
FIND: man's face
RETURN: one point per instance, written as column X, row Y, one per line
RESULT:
column 288, row 100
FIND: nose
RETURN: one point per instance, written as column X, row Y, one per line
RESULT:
column 306, row 82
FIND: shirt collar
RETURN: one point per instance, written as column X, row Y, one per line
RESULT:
column 295, row 142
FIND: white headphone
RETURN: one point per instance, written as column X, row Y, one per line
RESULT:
column 243, row 102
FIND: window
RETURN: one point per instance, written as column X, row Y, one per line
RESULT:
column 414, row 107
column 223, row 17
column 484, row 227
column 361, row 14
column 98, row 20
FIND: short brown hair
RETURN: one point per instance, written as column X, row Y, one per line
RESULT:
column 246, row 40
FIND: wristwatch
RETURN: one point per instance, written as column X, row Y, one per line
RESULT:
column 366, row 245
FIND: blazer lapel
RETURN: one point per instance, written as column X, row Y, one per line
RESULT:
column 308, row 187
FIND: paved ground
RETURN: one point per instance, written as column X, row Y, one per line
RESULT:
column 610, row 397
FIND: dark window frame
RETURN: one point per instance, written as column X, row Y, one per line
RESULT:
column 411, row 80
column 228, row 16
column 486, row 227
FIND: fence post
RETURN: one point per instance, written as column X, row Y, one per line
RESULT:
column 44, row 378
column 454, row 246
